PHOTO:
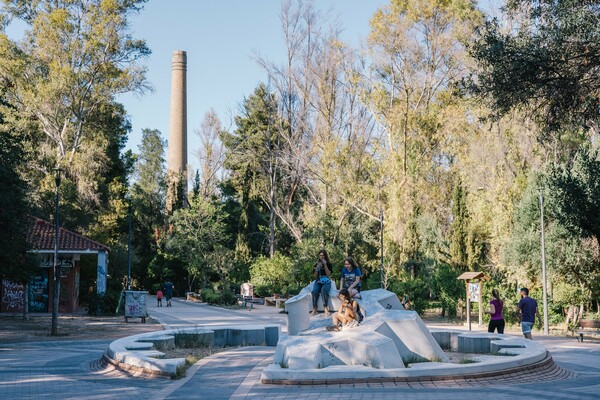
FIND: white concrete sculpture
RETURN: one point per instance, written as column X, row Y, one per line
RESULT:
column 389, row 336
column 390, row 343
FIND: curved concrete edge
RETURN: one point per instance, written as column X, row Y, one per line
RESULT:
column 274, row 374
column 515, row 353
column 138, row 353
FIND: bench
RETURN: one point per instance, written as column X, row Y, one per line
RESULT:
column 274, row 301
column 587, row 327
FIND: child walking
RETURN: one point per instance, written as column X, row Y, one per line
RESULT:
column 159, row 296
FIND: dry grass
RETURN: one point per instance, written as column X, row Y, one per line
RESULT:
column 14, row 329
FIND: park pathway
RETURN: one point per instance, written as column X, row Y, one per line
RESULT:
column 70, row 370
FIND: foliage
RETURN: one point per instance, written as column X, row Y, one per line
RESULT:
column 544, row 63
column 14, row 213
column 275, row 273
column 447, row 289
column 75, row 56
column 219, row 297
column 575, row 193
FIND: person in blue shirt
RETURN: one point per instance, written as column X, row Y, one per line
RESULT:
column 528, row 309
column 351, row 275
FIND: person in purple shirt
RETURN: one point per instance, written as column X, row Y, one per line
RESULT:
column 495, row 311
column 528, row 309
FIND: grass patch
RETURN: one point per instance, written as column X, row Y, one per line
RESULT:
column 467, row 360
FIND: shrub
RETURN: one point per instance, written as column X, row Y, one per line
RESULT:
column 273, row 273
column 103, row 304
column 224, row 297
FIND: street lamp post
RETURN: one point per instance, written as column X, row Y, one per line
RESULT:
column 381, row 245
column 129, row 246
column 57, row 273
column 544, row 291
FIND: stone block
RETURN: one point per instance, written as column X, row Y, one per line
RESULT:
column 443, row 338
column 474, row 343
column 194, row 339
column 220, row 337
column 380, row 354
column 160, row 342
column 235, row 337
column 271, row 335
column 448, row 340
column 325, row 358
column 497, row 345
column 253, row 337
column 412, row 339
column 391, row 302
column 298, row 316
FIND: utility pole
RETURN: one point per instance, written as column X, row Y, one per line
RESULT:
column 544, row 291
column 57, row 273
column 129, row 246
column 381, row 276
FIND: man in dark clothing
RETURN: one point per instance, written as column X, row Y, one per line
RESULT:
column 169, row 292
column 528, row 309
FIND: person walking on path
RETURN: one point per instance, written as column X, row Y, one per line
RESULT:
column 528, row 309
column 351, row 277
column 159, row 296
column 169, row 292
column 322, row 282
column 495, row 311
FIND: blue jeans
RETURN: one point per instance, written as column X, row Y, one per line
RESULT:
column 321, row 288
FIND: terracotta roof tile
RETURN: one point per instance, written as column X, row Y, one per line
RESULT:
column 41, row 237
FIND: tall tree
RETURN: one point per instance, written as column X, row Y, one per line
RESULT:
column 253, row 154
column 211, row 154
column 546, row 65
column 148, row 192
column 460, row 227
column 74, row 58
column 15, row 217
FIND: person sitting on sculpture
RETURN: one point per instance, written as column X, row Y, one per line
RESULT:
column 322, row 283
column 351, row 277
column 347, row 316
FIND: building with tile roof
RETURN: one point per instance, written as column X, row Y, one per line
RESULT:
column 71, row 247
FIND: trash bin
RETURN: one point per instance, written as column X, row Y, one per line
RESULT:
column 298, row 318
column 135, row 304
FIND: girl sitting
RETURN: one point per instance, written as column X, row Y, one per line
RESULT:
column 346, row 317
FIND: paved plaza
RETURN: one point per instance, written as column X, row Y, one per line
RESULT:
column 71, row 370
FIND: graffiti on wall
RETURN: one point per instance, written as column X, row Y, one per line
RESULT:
column 38, row 294
column 13, row 296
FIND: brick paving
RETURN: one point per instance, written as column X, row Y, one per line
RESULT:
column 71, row 370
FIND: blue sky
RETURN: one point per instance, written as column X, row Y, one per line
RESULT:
column 220, row 37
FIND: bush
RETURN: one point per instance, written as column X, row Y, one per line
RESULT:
column 272, row 273
column 104, row 304
column 447, row 288
column 223, row 298
column 263, row 290
column 416, row 289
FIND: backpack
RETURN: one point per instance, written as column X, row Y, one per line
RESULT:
column 359, row 314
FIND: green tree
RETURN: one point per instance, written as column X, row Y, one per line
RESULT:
column 545, row 65
column 460, row 228
column 74, row 58
column 252, row 157
column 195, row 232
column 15, row 217
column 148, row 192
column 575, row 193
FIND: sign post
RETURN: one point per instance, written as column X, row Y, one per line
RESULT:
column 474, row 292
